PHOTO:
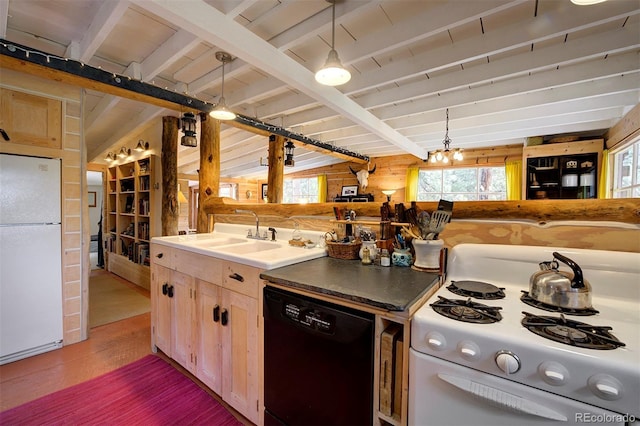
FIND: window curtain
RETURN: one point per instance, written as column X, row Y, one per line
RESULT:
column 411, row 186
column 322, row 188
column 513, row 172
column 604, row 174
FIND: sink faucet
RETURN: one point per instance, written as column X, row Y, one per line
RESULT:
column 257, row 234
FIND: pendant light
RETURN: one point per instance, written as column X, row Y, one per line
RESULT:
column 188, row 122
column 333, row 73
column 586, row 2
column 443, row 155
column 221, row 112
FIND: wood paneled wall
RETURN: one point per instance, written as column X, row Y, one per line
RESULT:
column 391, row 172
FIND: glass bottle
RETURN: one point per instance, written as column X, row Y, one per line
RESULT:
column 366, row 258
column 296, row 235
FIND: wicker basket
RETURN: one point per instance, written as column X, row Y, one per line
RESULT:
column 347, row 251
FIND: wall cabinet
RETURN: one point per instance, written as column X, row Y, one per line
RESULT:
column 133, row 206
column 30, row 119
column 205, row 316
column 562, row 171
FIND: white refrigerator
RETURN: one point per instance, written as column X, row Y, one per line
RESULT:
column 30, row 256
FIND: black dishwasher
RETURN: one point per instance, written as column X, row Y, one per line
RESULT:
column 318, row 362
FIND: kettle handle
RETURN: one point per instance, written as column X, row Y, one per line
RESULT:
column 578, row 280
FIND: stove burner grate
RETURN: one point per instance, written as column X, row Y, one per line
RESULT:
column 526, row 298
column 571, row 332
column 467, row 311
column 476, row 289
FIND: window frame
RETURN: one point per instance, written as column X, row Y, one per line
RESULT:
column 452, row 195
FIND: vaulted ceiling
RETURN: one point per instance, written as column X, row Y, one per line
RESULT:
column 505, row 69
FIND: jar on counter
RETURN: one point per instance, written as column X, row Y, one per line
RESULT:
column 401, row 257
column 385, row 259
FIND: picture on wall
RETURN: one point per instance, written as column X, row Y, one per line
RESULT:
column 350, row 190
column 92, row 199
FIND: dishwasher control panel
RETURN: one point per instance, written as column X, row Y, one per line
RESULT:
column 309, row 317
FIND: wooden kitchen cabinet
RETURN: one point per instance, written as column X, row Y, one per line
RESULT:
column 30, row 119
column 173, row 300
column 212, row 325
column 562, row 170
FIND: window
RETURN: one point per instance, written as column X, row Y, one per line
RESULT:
column 229, row 190
column 626, row 175
column 462, row 184
column 302, row 190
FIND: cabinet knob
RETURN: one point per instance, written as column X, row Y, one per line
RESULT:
column 224, row 320
column 165, row 288
column 170, row 291
column 159, row 255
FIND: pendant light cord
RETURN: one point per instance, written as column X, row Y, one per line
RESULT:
column 333, row 25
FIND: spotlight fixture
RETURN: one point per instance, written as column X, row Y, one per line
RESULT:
column 288, row 150
column 388, row 193
column 110, row 157
column 333, row 73
column 124, row 152
column 221, row 112
column 142, row 146
column 444, row 155
column 189, row 130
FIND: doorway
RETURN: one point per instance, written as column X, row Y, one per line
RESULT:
column 111, row 298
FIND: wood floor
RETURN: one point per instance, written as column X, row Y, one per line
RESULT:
column 109, row 347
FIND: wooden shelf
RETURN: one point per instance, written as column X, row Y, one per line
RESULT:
column 132, row 204
column 561, row 171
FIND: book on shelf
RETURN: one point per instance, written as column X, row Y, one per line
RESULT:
column 128, row 207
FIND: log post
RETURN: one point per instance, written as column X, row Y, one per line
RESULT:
column 276, row 169
column 169, row 161
column 209, row 174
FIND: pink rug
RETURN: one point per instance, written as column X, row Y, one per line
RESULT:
column 146, row 392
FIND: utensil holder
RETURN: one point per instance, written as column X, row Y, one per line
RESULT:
column 427, row 253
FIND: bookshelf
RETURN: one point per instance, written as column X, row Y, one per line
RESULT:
column 133, row 203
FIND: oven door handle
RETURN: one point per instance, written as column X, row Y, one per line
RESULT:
column 502, row 399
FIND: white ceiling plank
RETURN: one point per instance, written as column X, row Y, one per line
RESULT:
column 611, row 67
column 239, row 41
column 170, row 51
column 106, row 19
column 419, row 27
column 500, row 41
column 126, row 131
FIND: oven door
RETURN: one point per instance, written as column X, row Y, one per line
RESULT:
column 445, row 393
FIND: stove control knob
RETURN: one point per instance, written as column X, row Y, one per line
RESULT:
column 436, row 341
column 468, row 350
column 507, row 361
column 553, row 373
column 605, row 387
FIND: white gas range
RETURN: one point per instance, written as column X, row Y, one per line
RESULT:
column 501, row 373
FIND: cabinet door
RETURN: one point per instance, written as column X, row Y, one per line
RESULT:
column 240, row 353
column 181, row 312
column 30, row 119
column 160, row 309
column 209, row 366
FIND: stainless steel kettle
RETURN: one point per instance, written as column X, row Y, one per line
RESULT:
column 559, row 288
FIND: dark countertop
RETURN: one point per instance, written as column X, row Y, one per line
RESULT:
column 392, row 288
